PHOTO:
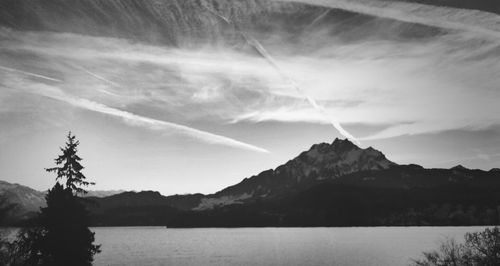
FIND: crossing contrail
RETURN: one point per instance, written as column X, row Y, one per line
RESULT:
column 99, row 77
column 257, row 46
column 320, row 17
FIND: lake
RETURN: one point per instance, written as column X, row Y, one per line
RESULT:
column 384, row 246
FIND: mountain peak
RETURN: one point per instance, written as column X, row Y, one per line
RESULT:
column 326, row 161
column 346, row 140
column 337, row 146
column 459, row 167
column 346, row 144
column 323, row 161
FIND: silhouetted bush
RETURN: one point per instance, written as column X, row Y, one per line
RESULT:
column 6, row 247
column 479, row 249
column 5, row 208
column 22, row 251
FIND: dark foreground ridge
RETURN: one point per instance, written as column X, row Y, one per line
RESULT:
column 331, row 184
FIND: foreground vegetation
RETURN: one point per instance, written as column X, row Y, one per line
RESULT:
column 61, row 236
column 479, row 249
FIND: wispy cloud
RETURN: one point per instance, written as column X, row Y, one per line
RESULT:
column 440, row 82
column 265, row 54
column 383, row 76
column 473, row 21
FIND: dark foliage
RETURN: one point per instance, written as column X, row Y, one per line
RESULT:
column 479, row 249
column 61, row 236
column 5, row 208
column 6, row 248
column 24, row 250
column 64, row 237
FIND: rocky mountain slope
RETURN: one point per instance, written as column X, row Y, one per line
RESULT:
column 400, row 195
column 322, row 162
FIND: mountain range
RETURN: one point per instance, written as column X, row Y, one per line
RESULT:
column 331, row 184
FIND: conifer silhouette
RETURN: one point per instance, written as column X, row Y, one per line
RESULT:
column 67, row 239
column 71, row 167
column 63, row 237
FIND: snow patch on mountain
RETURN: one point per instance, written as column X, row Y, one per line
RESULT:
column 210, row 203
column 102, row 193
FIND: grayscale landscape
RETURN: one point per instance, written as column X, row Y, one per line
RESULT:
column 249, row 132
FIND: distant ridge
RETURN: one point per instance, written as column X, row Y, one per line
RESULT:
column 28, row 201
column 330, row 184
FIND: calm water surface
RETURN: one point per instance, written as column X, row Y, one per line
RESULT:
column 384, row 246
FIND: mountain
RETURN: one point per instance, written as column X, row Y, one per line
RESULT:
column 331, row 184
column 322, row 162
column 401, row 195
column 340, row 184
column 131, row 208
column 27, row 201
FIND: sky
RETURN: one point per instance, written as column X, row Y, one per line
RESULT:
column 188, row 119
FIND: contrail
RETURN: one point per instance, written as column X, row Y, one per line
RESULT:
column 101, row 78
column 133, row 119
column 29, row 74
column 155, row 124
column 257, row 46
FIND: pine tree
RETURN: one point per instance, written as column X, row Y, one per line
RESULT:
column 67, row 239
column 64, row 237
column 71, row 167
